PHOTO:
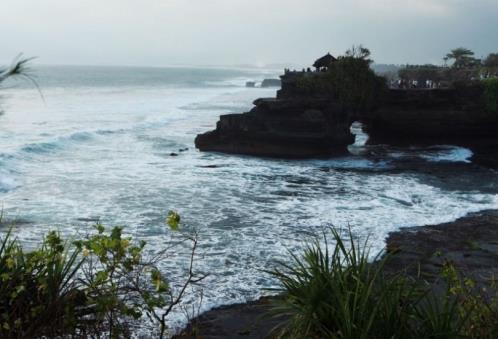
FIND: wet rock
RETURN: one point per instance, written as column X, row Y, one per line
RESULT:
column 469, row 243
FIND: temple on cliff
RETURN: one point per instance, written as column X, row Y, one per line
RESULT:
column 323, row 63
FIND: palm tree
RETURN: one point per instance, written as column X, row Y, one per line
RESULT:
column 463, row 57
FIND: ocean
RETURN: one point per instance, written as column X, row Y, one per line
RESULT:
column 98, row 146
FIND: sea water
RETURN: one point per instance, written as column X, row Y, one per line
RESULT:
column 100, row 144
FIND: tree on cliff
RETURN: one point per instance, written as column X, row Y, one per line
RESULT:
column 349, row 80
column 491, row 60
column 463, row 58
column 353, row 82
column 358, row 52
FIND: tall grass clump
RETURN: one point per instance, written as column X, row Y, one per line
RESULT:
column 334, row 290
column 338, row 294
column 39, row 296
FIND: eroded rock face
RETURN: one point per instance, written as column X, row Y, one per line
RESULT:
column 288, row 128
column 432, row 116
column 455, row 116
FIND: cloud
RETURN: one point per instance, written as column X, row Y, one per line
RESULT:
column 162, row 32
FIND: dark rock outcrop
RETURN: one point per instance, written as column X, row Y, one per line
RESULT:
column 271, row 83
column 469, row 243
column 307, row 119
column 292, row 125
column 289, row 128
column 456, row 115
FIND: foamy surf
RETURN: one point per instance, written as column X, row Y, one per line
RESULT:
column 105, row 152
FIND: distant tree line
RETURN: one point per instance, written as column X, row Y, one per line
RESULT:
column 463, row 67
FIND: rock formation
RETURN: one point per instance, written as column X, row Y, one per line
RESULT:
column 271, row 83
column 288, row 128
column 455, row 115
column 313, row 111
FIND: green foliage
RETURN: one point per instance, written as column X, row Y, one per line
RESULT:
column 18, row 68
column 340, row 294
column 358, row 52
column 38, row 292
column 459, row 53
column 349, row 80
column 173, row 220
column 491, row 94
column 103, row 284
column 472, row 304
column 354, row 83
column 463, row 58
column 114, row 273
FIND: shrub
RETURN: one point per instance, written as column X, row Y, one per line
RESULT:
column 355, row 84
column 38, row 293
column 123, row 286
column 340, row 294
column 101, row 285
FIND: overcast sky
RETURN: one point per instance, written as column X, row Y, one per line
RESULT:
column 231, row 32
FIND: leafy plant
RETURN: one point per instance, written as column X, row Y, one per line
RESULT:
column 104, row 284
column 38, row 292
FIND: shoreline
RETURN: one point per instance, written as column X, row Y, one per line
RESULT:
column 470, row 243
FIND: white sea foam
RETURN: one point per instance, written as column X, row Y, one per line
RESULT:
column 449, row 153
column 112, row 160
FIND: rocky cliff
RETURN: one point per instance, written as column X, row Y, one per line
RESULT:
column 456, row 115
column 289, row 128
column 308, row 119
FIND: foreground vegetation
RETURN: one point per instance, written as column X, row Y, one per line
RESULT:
column 340, row 294
column 18, row 69
column 100, row 286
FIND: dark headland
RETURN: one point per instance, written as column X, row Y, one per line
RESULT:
column 312, row 113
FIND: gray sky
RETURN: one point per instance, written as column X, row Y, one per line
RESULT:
column 229, row 32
